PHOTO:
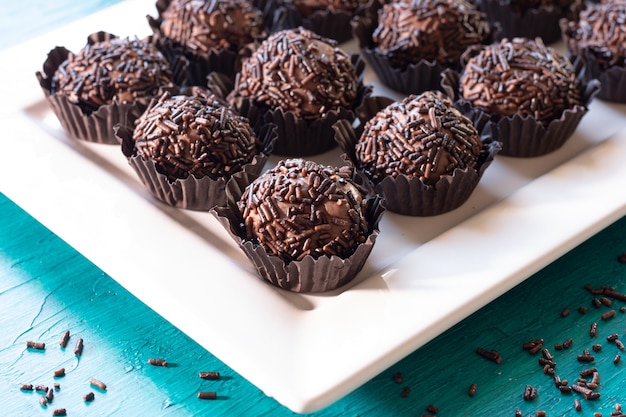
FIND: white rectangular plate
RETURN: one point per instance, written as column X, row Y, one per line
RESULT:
column 306, row 351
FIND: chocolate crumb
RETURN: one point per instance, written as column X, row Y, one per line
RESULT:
column 472, row 390
column 582, row 310
column 207, row 395
column 89, row 397
column 405, row 392
column 209, row 375
column 565, row 312
column 398, row 377
column 432, row 409
column 57, row 386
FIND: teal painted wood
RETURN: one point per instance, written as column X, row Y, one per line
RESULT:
column 46, row 288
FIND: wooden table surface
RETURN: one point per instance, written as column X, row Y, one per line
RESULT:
column 48, row 288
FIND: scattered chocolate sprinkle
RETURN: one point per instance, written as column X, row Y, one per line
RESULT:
column 57, row 386
column 59, row 372
column 472, row 390
column 530, row 393
column 606, row 301
column 64, row 339
column 565, row 312
column 622, row 258
column 493, row 355
column 97, row 383
column 157, row 362
column 622, row 309
column 405, row 392
column 593, row 329
column 35, row 345
column 585, row 358
column 540, row 413
column 59, row 412
column 612, row 337
column 596, row 347
column 582, row 310
column 596, row 303
column 50, row 395
column 41, row 388
column 398, row 377
column 78, row 350
column 566, row 389
column 43, row 401
column 432, row 408
column 518, row 413
column 577, row 405
column 608, row 315
column 89, row 396
column 207, row 395
column 210, row 375
column 619, row 344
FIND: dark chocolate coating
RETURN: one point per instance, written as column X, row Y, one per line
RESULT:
column 299, row 71
column 521, row 76
column 193, row 135
column 301, row 208
column 115, row 69
column 422, row 136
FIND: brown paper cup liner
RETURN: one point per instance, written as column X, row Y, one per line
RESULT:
column 191, row 193
column 612, row 79
column 299, row 137
column 308, row 275
column 83, row 124
column 541, row 22
column 524, row 137
column 410, row 196
column 327, row 23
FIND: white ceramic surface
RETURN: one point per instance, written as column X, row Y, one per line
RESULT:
column 306, row 351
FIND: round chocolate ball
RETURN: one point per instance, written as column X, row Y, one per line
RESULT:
column 302, row 208
column 299, row 71
column 520, row 76
column 601, row 29
column 202, row 25
column 194, row 135
column 422, row 136
column 114, row 69
column 409, row 31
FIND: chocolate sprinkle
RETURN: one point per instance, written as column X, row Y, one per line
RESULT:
column 422, row 136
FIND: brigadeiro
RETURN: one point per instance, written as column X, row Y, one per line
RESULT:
column 409, row 43
column 185, row 147
column 529, row 18
column 422, row 155
column 306, row 227
column 598, row 38
column 206, row 36
column 110, row 80
column 303, row 83
column 531, row 96
column 328, row 18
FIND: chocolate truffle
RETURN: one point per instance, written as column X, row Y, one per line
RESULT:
column 202, row 25
column 193, row 135
column 423, row 136
column 409, row 31
column 601, row 29
column 300, row 72
column 520, row 76
column 301, row 208
column 114, row 69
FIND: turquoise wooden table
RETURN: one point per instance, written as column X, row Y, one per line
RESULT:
column 490, row 364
